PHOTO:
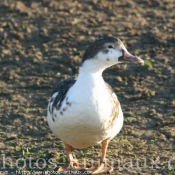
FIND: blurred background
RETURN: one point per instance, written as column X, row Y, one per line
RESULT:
column 42, row 42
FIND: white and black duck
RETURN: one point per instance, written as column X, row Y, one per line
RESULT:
column 84, row 110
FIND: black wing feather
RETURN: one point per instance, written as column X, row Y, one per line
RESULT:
column 62, row 89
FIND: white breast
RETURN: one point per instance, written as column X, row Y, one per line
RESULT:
column 86, row 112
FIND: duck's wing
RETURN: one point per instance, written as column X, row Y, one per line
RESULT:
column 60, row 91
column 115, row 103
column 109, row 88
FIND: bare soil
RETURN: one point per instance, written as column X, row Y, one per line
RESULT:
column 42, row 42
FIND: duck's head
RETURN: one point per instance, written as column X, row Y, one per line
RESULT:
column 106, row 52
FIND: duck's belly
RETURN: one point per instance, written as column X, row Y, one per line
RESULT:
column 83, row 124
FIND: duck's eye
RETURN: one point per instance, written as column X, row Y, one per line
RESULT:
column 110, row 46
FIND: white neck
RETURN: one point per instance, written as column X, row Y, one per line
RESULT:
column 92, row 66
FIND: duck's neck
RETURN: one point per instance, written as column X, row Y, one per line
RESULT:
column 84, row 72
column 90, row 76
column 92, row 67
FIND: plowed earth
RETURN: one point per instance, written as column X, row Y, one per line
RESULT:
column 42, row 43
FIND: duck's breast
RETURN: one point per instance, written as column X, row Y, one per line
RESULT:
column 85, row 116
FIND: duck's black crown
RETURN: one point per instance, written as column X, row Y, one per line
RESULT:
column 99, row 45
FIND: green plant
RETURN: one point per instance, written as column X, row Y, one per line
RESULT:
column 141, row 118
column 125, row 142
column 11, row 149
column 126, row 120
column 148, row 65
column 171, row 171
column 41, row 154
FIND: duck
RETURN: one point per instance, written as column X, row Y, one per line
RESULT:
column 84, row 111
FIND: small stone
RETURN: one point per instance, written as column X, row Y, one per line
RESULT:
column 12, row 137
column 153, row 111
column 119, row 79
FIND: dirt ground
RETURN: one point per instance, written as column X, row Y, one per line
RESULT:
column 42, row 42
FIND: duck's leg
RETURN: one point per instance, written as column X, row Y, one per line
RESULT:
column 72, row 163
column 103, row 166
column 104, row 150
